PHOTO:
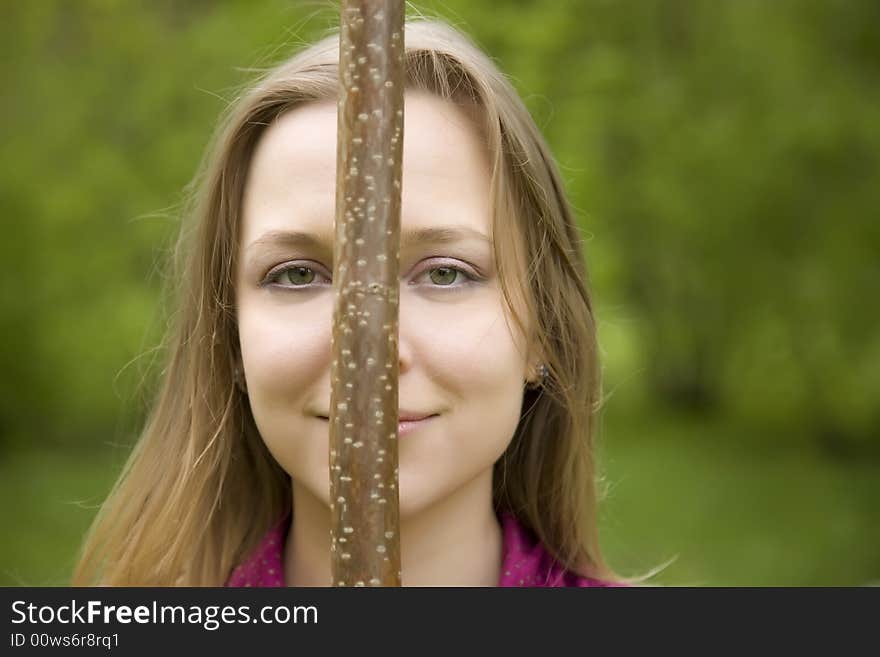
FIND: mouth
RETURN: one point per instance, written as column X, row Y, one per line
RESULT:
column 407, row 422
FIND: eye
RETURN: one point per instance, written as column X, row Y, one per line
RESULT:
column 298, row 275
column 293, row 275
column 446, row 275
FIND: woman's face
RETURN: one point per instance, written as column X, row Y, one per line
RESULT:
column 459, row 358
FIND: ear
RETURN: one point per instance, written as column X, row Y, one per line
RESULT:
column 534, row 363
column 534, row 358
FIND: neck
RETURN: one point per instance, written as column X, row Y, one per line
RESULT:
column 455, row 542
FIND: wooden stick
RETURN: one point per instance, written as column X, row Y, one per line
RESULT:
column 365, row 542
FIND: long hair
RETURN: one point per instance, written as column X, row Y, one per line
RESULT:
column 200, row 488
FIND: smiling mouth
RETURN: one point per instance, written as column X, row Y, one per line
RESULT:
column 404, row 420
column 405, row 425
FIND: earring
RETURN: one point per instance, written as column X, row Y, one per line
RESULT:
column 541, row 376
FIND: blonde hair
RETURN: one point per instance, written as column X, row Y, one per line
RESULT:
column 200, row 488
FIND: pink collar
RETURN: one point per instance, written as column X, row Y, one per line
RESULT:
column 525, row 561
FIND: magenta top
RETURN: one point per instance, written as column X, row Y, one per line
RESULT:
column 525, row 562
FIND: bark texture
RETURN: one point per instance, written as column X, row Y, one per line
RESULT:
column 365, row 543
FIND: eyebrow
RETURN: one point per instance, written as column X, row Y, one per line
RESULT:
column 419, row 236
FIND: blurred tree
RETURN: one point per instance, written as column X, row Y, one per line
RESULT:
column 723, row 157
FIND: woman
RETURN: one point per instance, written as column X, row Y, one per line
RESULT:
column 497, row 349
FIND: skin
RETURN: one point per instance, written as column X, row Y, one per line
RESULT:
column 459, row 356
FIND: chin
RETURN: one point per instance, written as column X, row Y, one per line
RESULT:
column 418, row 495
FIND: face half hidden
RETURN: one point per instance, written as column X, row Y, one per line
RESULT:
column 460, row 360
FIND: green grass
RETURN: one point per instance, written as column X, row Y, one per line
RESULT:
column 736, row 516
column 730, row 515
column 49, row 499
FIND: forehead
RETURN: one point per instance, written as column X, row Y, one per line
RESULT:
column 292, row 176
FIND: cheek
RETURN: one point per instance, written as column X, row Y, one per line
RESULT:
column 475, row 356
column 488, row 378
column 473, row 359
column 285, row 351
column 475, row 348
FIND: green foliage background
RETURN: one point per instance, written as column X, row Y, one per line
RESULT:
column 723, row 157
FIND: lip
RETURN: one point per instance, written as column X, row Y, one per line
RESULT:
column 413, row 416
column 407, row 426
column 407, row 421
